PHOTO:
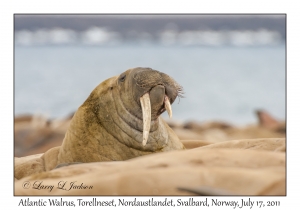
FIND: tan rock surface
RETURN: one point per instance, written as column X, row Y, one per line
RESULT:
column 271, row 144
column 190, row 144
column 234, row 168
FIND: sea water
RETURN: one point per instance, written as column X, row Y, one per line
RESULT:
column 220, row 83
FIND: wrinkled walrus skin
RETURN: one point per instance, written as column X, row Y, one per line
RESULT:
column 108, row 126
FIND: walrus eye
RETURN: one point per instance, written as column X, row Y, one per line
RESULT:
column 122, row 78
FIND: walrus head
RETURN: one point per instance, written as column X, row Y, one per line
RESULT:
column 152, row 93
column 120, row 119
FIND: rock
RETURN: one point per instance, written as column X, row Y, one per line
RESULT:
column 269, row 122
column 272, row 144
column 190, row 144
column 237, row 167
column 37, row 134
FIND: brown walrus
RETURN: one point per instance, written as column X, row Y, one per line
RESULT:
column 118, row 121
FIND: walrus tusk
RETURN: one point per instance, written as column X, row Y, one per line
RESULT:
column 168, row 106
column 146, row 109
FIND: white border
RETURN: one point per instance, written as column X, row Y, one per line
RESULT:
column 8, row 8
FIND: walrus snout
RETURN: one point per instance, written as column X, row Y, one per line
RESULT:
column 157, row 96
column 153, row 103
column 160, row 84
column 161, row 98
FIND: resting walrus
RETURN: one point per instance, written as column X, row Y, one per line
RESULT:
column 119, row 121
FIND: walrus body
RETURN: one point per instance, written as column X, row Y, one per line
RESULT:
column 110, row 124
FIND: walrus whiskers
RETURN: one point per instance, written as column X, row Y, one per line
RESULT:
column 146, row 109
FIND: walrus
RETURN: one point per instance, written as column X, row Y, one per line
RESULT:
column 119, row 120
